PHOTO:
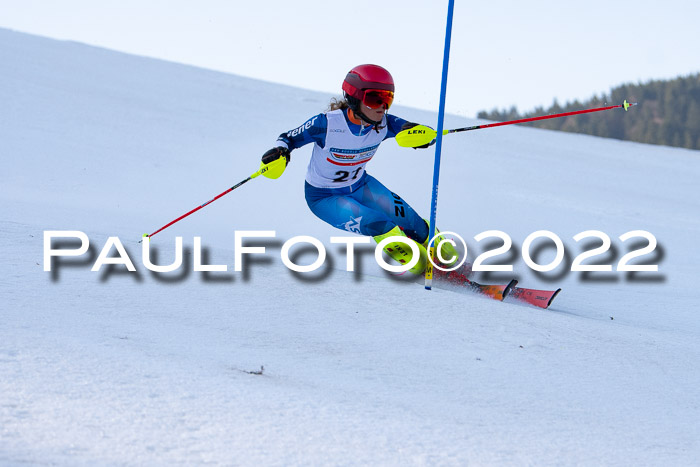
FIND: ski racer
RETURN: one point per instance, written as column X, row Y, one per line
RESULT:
column 338, row 189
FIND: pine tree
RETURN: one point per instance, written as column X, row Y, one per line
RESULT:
column 668, row 113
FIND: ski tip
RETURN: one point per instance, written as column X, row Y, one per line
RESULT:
column 553, row 297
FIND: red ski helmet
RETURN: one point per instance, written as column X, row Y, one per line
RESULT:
column 371, row 85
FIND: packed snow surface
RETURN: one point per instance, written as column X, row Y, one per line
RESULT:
column 330, row 367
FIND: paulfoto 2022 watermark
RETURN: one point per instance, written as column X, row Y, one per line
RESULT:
column 583, row 262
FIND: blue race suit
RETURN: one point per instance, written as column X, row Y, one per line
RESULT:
column 338, row 190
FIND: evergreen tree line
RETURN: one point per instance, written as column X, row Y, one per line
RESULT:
column 668, row 113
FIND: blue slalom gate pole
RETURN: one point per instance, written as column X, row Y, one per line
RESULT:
column 438, row 144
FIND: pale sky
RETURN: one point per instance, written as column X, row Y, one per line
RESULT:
column 503, row 52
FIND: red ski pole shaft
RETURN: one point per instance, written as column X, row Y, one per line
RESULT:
column 203, row 205
column 625, row 105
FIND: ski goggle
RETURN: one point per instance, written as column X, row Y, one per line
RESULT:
column 377, row 98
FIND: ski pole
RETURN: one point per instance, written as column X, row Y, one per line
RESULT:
column 421, row 134
column 203, row 205
column 272, row 170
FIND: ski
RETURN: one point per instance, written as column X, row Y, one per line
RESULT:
column 459, row 279
column 498, row 292
column 539, row 298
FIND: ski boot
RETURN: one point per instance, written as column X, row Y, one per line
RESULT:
column 401, row 252
column 447, row 251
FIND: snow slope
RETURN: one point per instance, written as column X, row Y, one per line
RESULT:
column 113, row 367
